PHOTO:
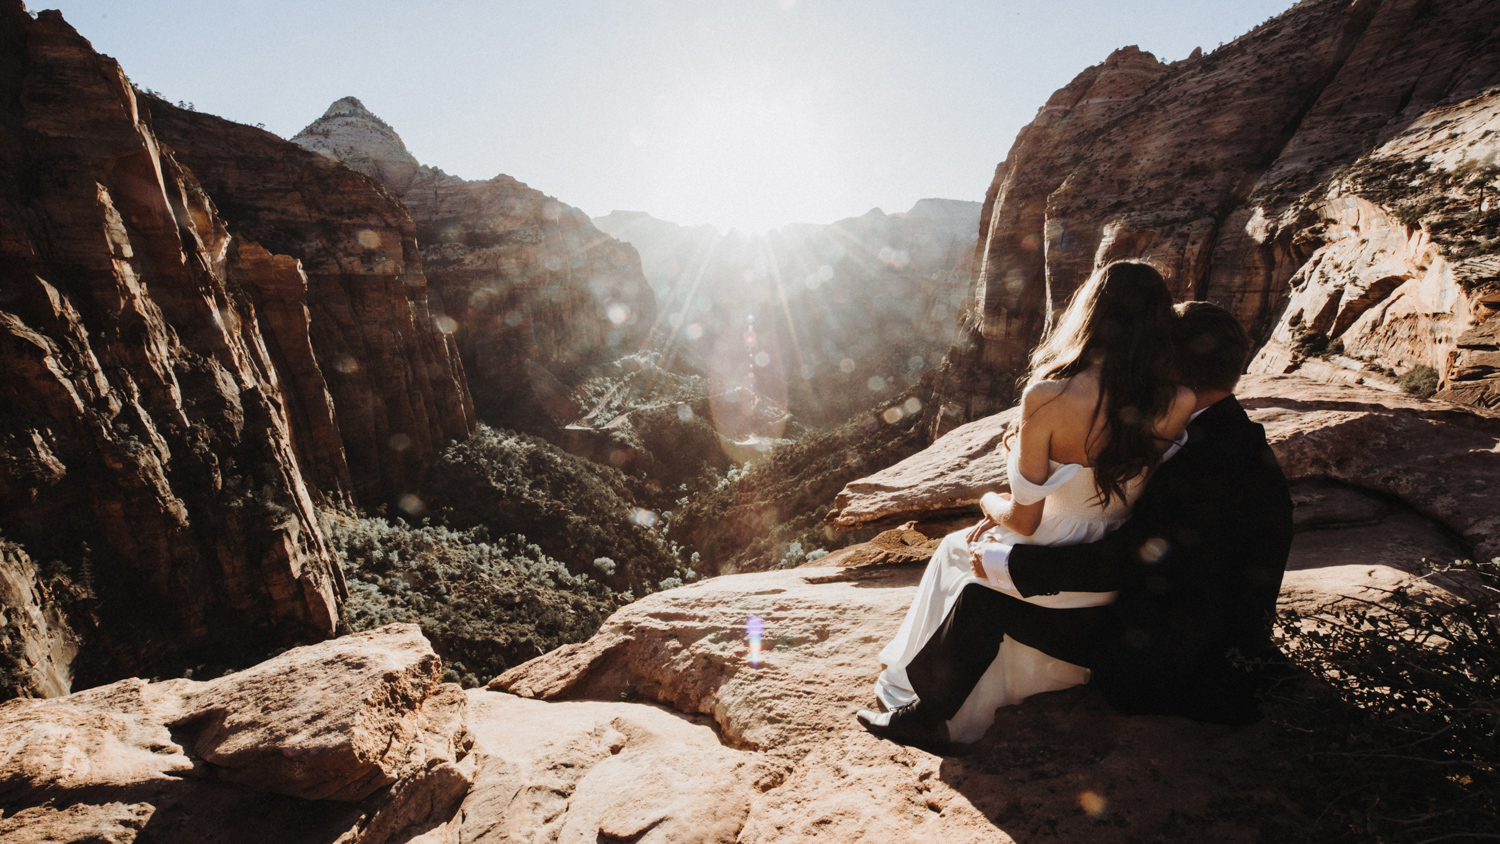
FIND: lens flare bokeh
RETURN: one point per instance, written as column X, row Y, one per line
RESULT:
column 755, row 628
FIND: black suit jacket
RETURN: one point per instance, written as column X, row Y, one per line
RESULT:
column 1198, row 567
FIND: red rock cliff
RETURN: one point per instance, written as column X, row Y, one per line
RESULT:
column 147, row 438
column 1356, row 137
column 393, row 372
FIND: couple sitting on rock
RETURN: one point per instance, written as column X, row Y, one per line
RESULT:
column 1141, row 546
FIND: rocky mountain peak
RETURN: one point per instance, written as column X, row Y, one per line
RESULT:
column 347, row 105
column 353, row 134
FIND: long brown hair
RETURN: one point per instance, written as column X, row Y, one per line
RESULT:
column 1120, row 318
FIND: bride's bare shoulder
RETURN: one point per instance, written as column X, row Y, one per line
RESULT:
column 1040, row 394
column 1062, row 397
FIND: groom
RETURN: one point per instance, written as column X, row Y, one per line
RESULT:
column 1198, row 567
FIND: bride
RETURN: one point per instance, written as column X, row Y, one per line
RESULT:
column 1098, row 413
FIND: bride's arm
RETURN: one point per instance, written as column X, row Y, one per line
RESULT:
column 1171, row 426
column 1033, row 444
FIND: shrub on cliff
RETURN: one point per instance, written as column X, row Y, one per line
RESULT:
column 575, row 510
column 486, row 605
column 1421, row 381
column 1400, row 720
column 646, row 418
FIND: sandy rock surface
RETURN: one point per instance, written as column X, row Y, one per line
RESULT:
column 688, row 648
column 588, row 772
column 113, row 823
column 1060, row 764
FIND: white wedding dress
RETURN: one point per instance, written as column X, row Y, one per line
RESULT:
column 1072, row 516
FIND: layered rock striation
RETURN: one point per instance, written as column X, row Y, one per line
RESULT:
column 150, row 451
column 38, row 644
column 1339, row 153
column 531, row 292
column 377, row 387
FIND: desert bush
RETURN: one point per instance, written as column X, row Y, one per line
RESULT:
column 575, row 510
column 1421, row 381
column 1397, row 715
column 1314, row 344
column 485, row 605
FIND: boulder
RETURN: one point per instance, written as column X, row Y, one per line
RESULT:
column 1442, row 459
column 334, row 721
column 602, row 771
column 112, row 823
column 947, row 477
column 359, row 734
column 689, row 648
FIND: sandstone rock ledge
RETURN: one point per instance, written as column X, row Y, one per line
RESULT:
column 1381, row 482
column 686, row 737
column 1061, row 764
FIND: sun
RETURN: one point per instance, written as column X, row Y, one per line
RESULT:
column 736, row 146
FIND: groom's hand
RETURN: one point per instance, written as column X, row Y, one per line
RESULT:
column 976, row 562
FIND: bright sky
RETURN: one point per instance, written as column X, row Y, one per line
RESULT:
column 744, row 113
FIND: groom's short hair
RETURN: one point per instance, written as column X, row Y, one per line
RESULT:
column 1211, row 346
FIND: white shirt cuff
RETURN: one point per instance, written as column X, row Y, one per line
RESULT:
column 996, row 561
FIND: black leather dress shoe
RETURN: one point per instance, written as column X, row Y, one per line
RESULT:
column 909, row 725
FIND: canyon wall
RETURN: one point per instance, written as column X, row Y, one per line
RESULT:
column 337, row 250
column 1327, row 176
column 150, row 456
column 531, row 292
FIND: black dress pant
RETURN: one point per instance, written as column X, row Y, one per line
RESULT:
column 949, row 665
